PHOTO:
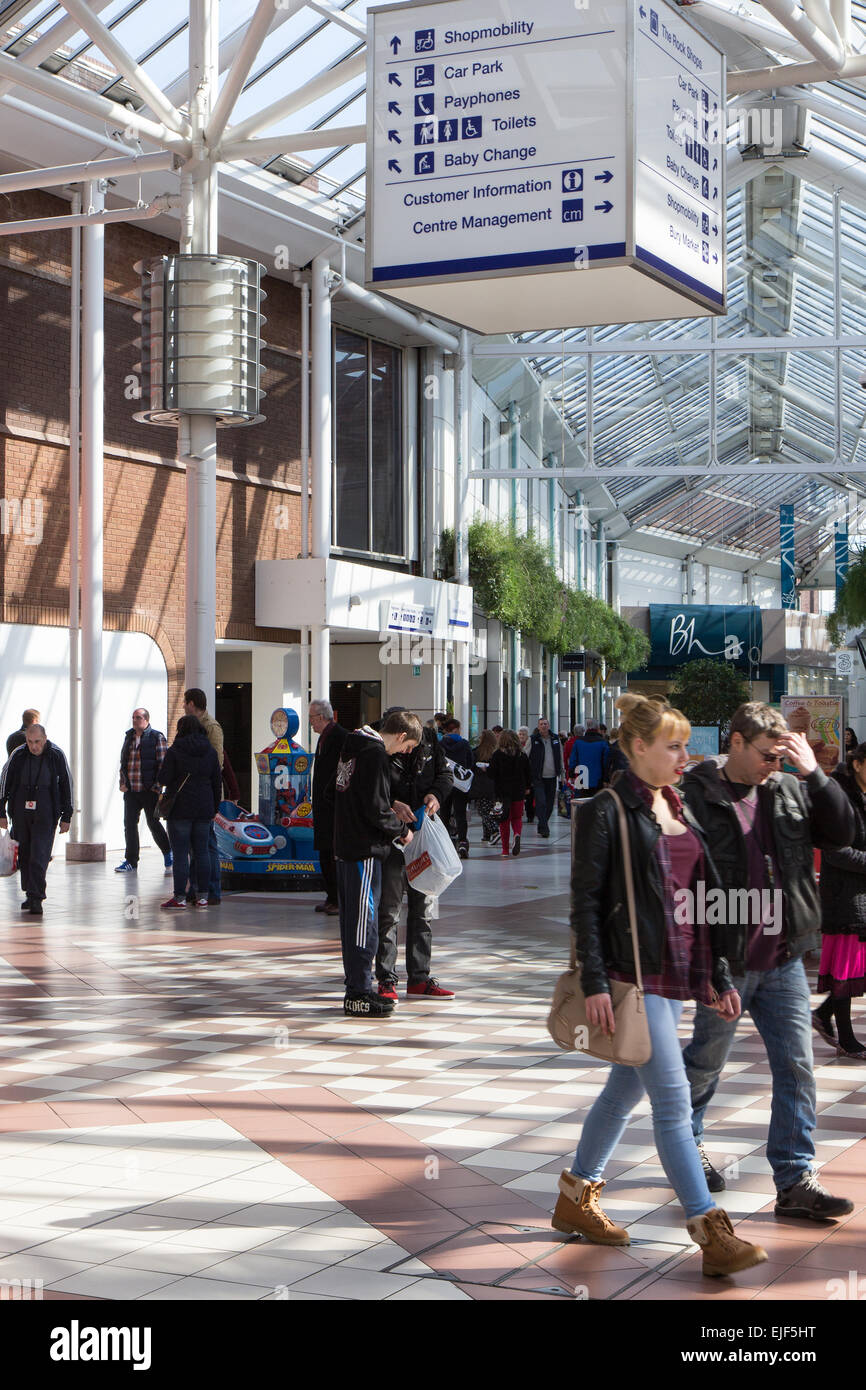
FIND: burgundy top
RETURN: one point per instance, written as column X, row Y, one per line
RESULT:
column 687, row 963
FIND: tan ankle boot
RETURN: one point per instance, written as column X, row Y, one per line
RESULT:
column 578, row 1212
column 724, row 1252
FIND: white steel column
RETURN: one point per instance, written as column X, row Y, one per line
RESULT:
column 462, row 463
column 320, row 457
column 74, row 507
column 92, row 426
column 198, row 433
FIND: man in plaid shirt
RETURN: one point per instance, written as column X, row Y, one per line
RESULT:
column 141, row 761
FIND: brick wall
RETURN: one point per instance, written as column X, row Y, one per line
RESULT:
column 258, row 513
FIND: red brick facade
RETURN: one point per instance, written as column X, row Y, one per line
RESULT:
column 258, row 484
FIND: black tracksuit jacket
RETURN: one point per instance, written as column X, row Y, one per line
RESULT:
column 364, row 824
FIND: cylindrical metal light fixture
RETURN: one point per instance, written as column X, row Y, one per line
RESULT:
column 201, row 339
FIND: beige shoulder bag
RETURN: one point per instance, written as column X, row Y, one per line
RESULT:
column 630, row 1045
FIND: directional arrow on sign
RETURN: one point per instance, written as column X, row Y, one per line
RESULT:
column 604, row 207
column 394, row 108
column 395, row 43
column 715, row 258
column 394, row 166
column 642, row 12
column 394, row 137
column 394, row 79
column 715, row 229
column 605, row 177
column 715, row 165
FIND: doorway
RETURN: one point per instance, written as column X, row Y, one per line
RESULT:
column 356, row 702
column 234, row 711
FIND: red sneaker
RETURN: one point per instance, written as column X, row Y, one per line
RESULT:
column 173, row 903
column 387, row 990
column 429, row 989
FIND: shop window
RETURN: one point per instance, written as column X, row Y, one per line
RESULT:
column 368, row 453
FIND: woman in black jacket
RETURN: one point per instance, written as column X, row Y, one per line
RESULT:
column 680, row 958
column 843, row 919
column 191, row 773
column 512, row 779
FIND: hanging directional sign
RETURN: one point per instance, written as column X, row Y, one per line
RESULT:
column 576, row 152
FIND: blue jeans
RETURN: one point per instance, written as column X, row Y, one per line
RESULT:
column 182, row 834
column 214, row 886
column 778, row 1001
column 663, row 1078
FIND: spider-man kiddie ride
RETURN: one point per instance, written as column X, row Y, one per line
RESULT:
column 277, row 844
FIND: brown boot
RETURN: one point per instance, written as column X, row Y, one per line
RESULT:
column 724, row 1252
column 578, row 1212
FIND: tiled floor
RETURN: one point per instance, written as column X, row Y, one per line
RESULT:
column 186, row 1114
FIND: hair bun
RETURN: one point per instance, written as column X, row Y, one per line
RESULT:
column 630, row 701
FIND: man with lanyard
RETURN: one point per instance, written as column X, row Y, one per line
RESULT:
column 545, row 761
column 761, row 824
column 36, row 786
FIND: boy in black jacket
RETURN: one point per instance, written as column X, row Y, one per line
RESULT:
column 364, row 829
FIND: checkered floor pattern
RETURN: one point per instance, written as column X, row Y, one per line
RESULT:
column 186, row 1114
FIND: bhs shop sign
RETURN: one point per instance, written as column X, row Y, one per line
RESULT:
column 688, row 632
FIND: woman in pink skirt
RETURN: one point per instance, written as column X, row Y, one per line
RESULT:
column 843, row 919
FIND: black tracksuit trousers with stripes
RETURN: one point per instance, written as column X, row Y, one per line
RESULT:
column 359, row 886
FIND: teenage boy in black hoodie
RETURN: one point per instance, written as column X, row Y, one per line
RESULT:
column 364, row 829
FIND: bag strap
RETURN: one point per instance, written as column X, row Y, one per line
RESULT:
column 629, row 883
column 629, row 888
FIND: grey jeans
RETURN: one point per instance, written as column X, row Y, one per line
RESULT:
column 419, row 936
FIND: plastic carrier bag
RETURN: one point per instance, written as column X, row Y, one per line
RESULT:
column 431, row 859
column 8, row 854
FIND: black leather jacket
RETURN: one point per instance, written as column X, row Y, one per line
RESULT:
column 599, row 906
column 802, row 814
column 843, row 872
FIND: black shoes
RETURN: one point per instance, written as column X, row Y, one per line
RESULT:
column 463, row 849
column 715, row 1181
column 36, row 908
column 824, row 1029
column 808, row 1198
column 367, row 1006
column 543, row 834
column 25, row 906
column 516, row 846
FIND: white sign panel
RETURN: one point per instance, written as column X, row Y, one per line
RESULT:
column 844, row 663
column 501, row 143
column 406, row 617
column 497, row 143
column 679, row 129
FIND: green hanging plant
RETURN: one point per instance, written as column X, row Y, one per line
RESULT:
column 515, row 582
column 850, row 610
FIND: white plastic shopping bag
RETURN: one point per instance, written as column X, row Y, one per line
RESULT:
column 8, row 854
column 432, row 861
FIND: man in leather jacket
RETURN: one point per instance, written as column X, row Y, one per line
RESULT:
column 762, row 825
column 418, row 778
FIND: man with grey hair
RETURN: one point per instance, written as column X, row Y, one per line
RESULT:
column 761, row 825
column 36, row 788
column 332, row 736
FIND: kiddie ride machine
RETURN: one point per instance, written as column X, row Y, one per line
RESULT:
column 277, row 844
